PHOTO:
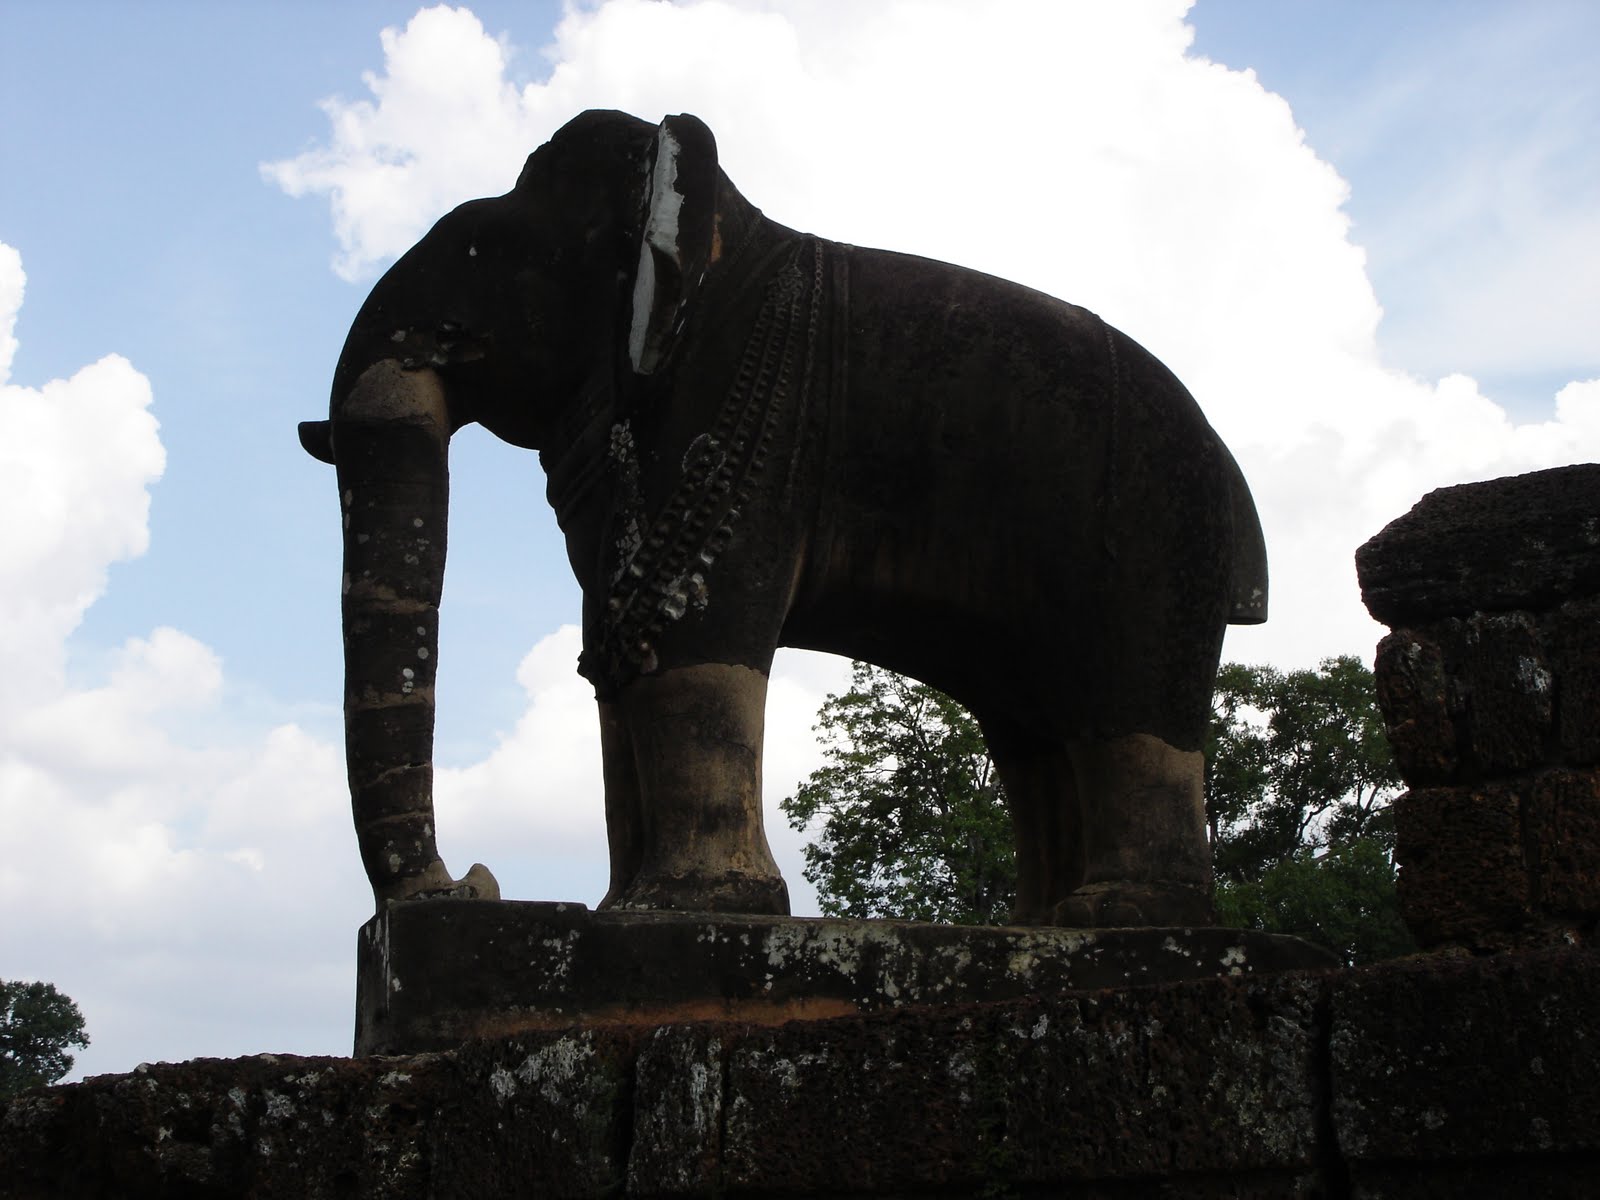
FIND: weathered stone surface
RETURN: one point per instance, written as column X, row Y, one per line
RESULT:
column 1443, row 1060
column 1527, row 541
column 1433, row 1077
column 433, row 973
column 682, row 1089
column 269, row 1125
column 1562, row 816
column 1216, row 1076
column 1418, row 698
column 1571, row 1178
column 1462, row 871
column 544, row 1114
column 1574, row 638
column 1508, row 691
column 1466, row 699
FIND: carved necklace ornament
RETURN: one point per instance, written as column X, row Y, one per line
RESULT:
column 661, row 568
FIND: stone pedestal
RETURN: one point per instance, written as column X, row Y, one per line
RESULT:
column 432, row 974
column 1490, row 688
column 1438, row 1076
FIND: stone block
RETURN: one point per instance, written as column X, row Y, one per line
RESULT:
column 1467, row 1060
column 1526, row 541
column 1463, row 877
column 680, row 1104
column 1178, row 1081
column 1416, row 695
column 1563, row 823
column 1508, row 690
column 432, row 974
column 1573, row 635
column 270, row 1125
column 1564, row 1179
column 548, row 1113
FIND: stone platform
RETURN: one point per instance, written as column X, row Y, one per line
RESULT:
column 432, row 974
column 1444, row 1076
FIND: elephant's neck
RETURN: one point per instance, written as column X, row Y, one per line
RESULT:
column 576, row 457
column 659, row 562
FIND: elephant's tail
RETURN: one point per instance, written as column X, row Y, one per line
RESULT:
column 1247, row 589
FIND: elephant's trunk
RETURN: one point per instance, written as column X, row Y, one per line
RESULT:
column 390, row 438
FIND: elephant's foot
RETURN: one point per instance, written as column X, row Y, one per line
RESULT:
column 1130, row 903
column 1032, row 914
column 729, row 892
column 434, row 883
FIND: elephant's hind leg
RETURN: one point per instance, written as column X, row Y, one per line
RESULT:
column 625, row 828
column 1046, row 818
column 696, row 733
column 1147, row 861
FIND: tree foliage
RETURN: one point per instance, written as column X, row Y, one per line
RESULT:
column 1297, row 762
column 1299, row 776
column 909, row 816
column 1343, row 899
column 37, row 1024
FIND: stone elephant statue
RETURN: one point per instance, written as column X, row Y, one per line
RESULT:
column 755, row 437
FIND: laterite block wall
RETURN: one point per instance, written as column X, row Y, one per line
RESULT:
column 1490, row 685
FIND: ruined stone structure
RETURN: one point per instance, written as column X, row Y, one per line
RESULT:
column 1466, row 1078
column 1467, row 1073
column 1490, row 686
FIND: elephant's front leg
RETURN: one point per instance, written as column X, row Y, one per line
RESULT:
column 696, row 736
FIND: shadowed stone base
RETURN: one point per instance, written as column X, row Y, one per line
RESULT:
column 1466, row 1078
column 433, row 973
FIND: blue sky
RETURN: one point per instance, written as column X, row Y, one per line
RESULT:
column 172, row 820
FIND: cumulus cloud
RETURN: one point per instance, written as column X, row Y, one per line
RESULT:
column 170, row 871
column 76, row 456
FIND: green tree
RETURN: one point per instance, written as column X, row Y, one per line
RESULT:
column 37, row 1024
column 1299, row 776
column 909, row 815
column 910, row 822
column 1343, row 899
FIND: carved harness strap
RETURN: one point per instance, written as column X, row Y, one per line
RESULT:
column 661, row 570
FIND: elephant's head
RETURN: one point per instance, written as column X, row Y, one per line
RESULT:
column 524, row 312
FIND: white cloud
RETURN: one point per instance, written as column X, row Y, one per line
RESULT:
column 148, row 878
column 433, row 133
column 12, row 283
column 76, row 456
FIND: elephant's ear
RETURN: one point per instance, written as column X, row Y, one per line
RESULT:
column 675, row 247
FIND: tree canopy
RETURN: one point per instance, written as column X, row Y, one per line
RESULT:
column 909, row 821
column 37, row 1024
column 1299, row 776
column 909, row 814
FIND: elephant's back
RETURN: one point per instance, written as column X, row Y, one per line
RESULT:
column 1004, row 475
